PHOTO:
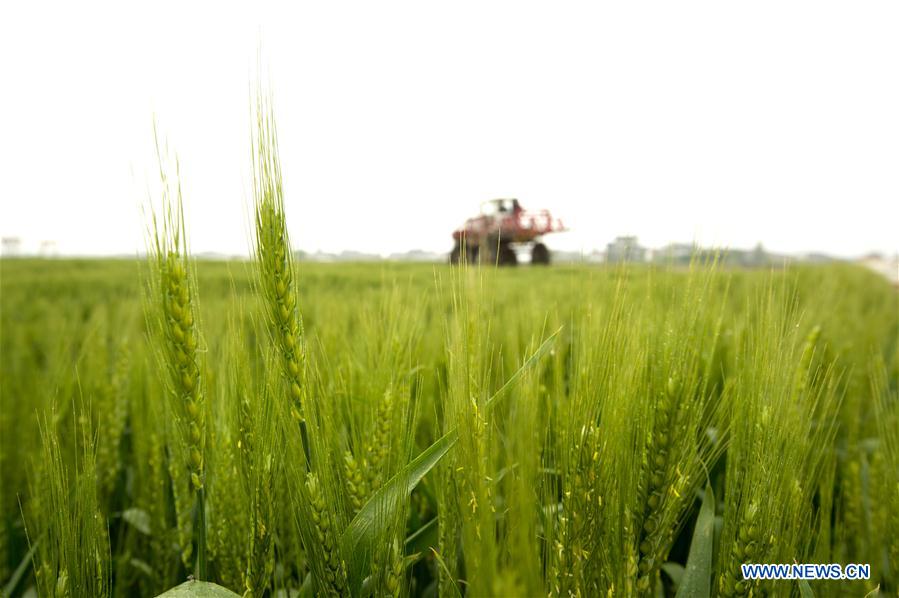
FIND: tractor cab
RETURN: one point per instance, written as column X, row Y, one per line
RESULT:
column 500, row 207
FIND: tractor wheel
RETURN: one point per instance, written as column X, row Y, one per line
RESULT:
column 455, row 255
column 507, row 256
column 540, row 255
column 488, row 255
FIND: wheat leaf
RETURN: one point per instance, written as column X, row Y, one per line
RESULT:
column 198, row 589
column 805, row 590
column 358, row 541
column 696, row 582
column 541, row 350
column 422, row 538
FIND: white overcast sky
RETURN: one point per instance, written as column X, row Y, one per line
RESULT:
column 722, row 122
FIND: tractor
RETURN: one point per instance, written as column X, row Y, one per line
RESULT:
column 502, row 226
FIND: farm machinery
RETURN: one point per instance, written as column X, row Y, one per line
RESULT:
column 502, row 227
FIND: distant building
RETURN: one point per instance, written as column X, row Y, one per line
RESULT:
column 758, row 256
column 625, row 249
column 675, row 253
column 11, row 246
column 751, row 258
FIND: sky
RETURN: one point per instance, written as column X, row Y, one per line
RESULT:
column 723, row 123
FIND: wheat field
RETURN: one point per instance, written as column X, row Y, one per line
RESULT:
column 279, row 428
